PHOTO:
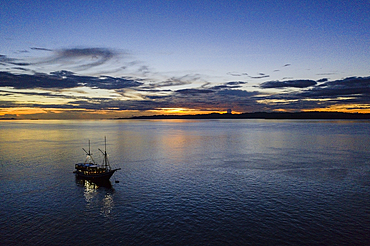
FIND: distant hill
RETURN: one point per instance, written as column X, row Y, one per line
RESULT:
column 264, row 115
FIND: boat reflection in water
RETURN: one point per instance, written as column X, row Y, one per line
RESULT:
column 93, row 184
column 98, row 196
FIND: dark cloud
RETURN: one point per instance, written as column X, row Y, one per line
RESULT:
column 156, row 97
column 237, row 93
column 287, row 84
column 26, row 81
column 287, row 65
column 233, row 83
column 322, row 80
column 352, row 86
column 194, row 91
column 228, row 85
column 113, row 83
column 64, row 79
column 259, row 76
column 94, row 53
column 62, row 73
column 42, row 49
column 348, row 91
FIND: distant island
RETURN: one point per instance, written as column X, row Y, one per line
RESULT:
column 255, row 115
column 263, row 115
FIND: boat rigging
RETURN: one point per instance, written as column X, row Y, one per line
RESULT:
column 92, row 171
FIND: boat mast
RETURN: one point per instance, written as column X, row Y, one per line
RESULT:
column 105, row 159
column 89, row 158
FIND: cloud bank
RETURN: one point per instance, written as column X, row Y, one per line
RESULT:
column 63, row 80
column 287, row 84
column 139, row 94
column 138, row 91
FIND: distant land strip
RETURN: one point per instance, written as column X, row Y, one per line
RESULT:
column 255, row 115
column 264, row 115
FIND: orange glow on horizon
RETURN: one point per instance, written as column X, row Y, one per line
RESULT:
column 179, row 111
column 84, row 113
column 53, row 113
column 346, row 108
column 281, row 110
column 186, row 111
column 21, row 111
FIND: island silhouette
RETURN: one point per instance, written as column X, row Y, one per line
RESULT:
column 264, row 115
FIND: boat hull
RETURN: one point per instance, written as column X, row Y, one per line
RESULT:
column 95, row 177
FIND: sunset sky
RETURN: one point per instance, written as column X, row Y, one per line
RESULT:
column 108, row 59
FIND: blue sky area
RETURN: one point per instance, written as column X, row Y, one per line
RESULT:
column 99, row 59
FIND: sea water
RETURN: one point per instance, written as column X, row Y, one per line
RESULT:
column 192, row 182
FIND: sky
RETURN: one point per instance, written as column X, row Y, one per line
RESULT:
column 107, row 59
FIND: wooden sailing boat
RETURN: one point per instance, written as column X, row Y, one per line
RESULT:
column 92, row 171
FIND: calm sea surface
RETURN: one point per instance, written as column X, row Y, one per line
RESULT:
column 203, row 182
